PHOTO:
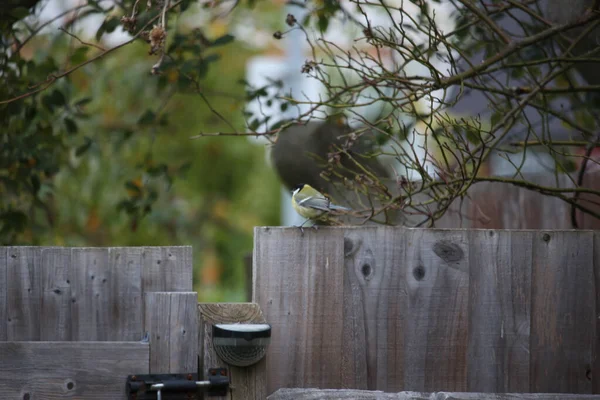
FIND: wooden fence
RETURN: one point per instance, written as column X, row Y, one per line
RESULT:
column 393, row 309
column 362, row 308
column 74, row 322
column 493, row 205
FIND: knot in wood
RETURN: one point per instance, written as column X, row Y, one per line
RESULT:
column 419, row 272
column 447, row 251
column 366, row 270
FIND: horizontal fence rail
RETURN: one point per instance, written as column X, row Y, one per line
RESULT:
column 393, row 309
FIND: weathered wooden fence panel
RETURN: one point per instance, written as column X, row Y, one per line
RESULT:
column 85, row 294
column 59, row 370
column 331, row 394
column 79, row 315
column 430, row 310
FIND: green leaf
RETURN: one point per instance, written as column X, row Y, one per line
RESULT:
column 108, row 26
column 54, row 100
column 35, row 183
column 323, row 23
column 284, row 106
column 204, row 63
column 79, row 55
column 130, row 185
column 71, row 126
column 147, row 118
column 254, row 124
column 227, row 38
column 496, row 117
column 84, row 147
column 157, row 170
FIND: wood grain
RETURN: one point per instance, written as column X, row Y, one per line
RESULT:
column 249, row 382
column 436, row 265
column 299, row 285
column 91, row 294
column 126, row 302
column 58, row 370
column 3, row 293
column 55, row 312
column 167, row 269
column 499, row 311
column 563, row 311
column 23, row 293
column 374, row 305
column 171, row 320
column 318, row 394
column 594, row 370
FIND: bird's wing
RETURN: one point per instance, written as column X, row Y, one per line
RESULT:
column 316, row 202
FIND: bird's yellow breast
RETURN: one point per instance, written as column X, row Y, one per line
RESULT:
column 306, row 212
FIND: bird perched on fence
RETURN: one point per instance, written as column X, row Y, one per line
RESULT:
column 312, row 204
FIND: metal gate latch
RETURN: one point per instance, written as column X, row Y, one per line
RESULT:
column 177, row 386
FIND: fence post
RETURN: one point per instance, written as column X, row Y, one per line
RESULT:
column 246, row 383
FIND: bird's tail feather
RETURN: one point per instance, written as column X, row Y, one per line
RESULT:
column 336, row 207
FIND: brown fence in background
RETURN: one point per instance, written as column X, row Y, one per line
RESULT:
column 494, row 205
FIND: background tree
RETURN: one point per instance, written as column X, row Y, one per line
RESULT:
column 96, row 151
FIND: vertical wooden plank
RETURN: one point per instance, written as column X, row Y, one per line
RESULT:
column 3, row 293
column 374, row 305
column 594, row 370
column 298, row 283
column 499, row 311
column 563, row 311
column 183, row 322
column 167, row 269
column 23, row 294
column 249, row 382
column 127, row 317
column 436, row 332
column 55, row 316
column 171, row 320
column 90, row 294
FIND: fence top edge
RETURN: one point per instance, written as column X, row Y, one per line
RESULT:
column 258, row 229
column 96, row 247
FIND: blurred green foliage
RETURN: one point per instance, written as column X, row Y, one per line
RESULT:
column 104, row 157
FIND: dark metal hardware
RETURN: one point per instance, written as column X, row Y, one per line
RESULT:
column 177, row 386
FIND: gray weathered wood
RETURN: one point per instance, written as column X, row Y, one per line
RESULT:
column 435, row 337
column 478, row 310
column 563, row 311
column 91, row 294
column 127, row 316
column 167, row 269
column 58, row 370
column 299, row 279
column 249, row 382
column 23, row 296
column 499, row 311
column 594, row 370
column 171, row 319
column 3, row 292
column 374, row 305
column 55, row 313
column 318, row 394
